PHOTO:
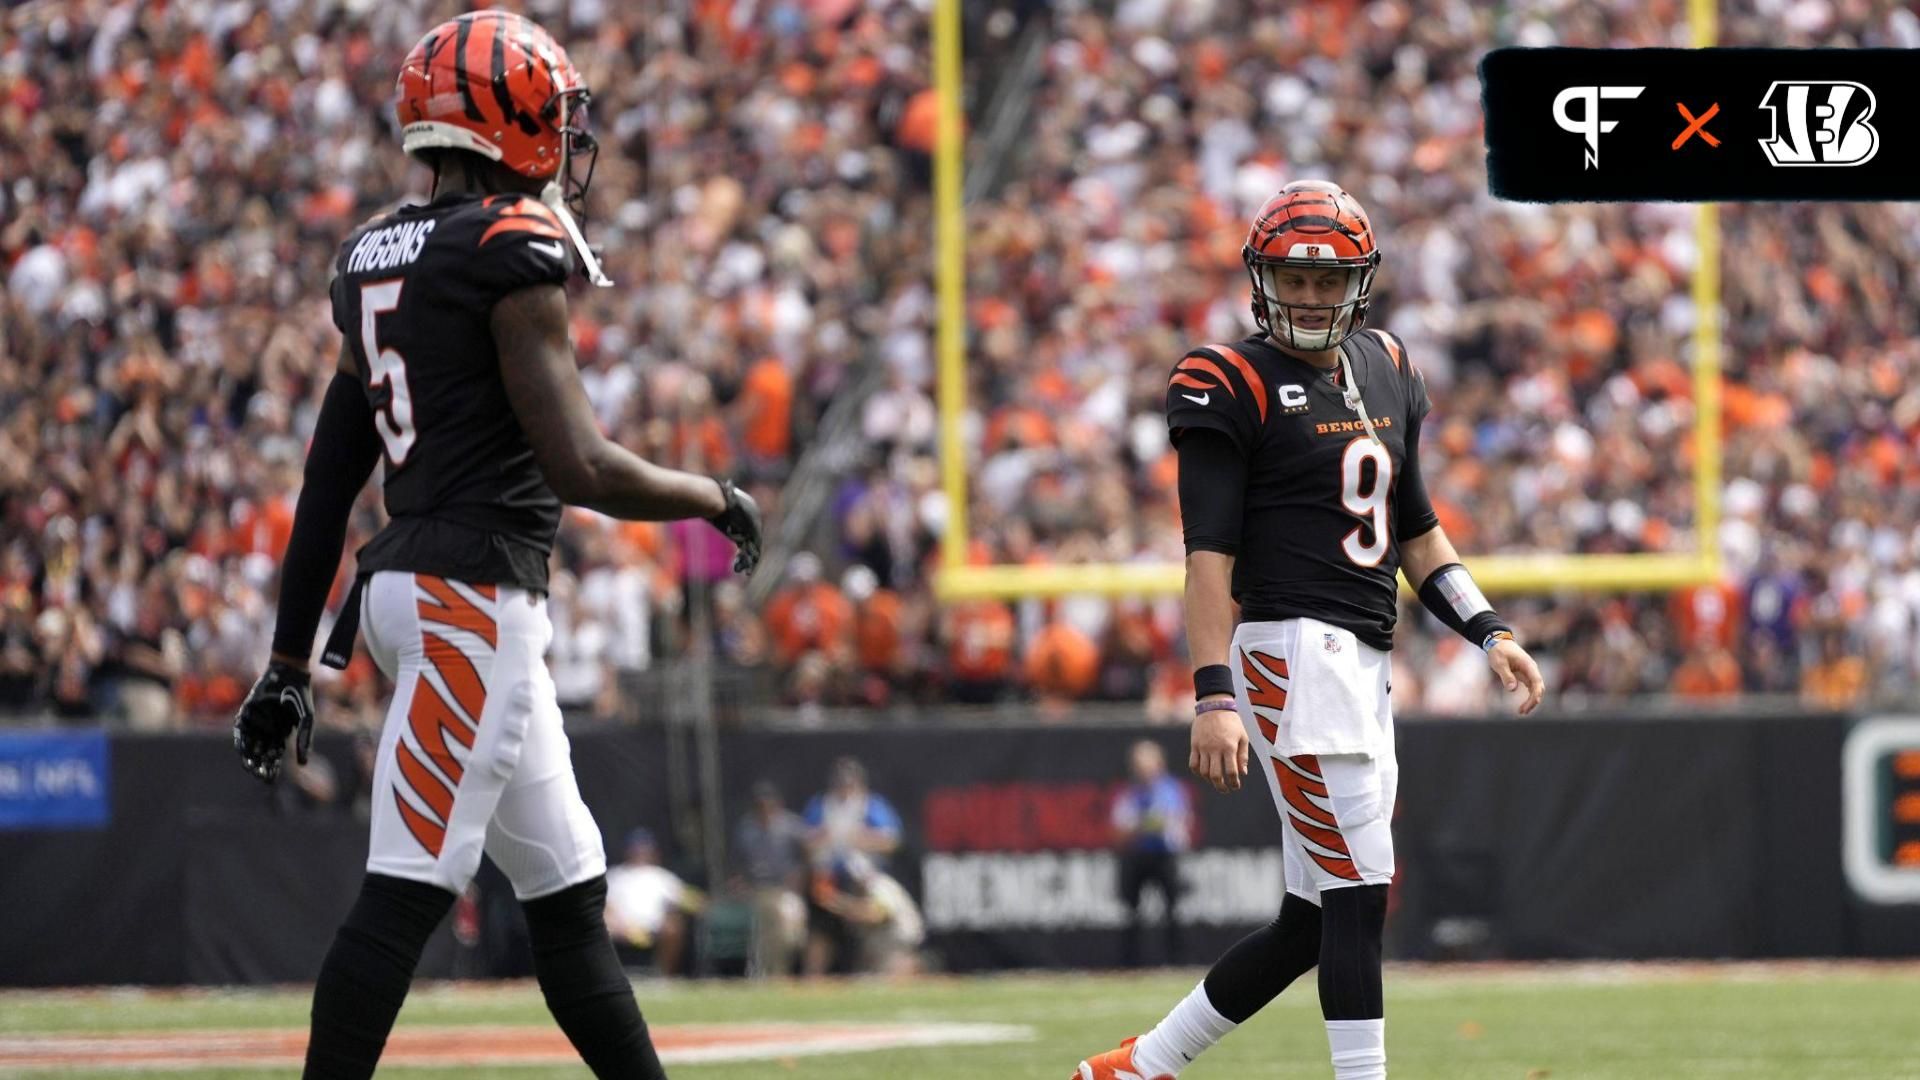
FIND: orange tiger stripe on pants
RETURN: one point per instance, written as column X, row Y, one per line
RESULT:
column 474, row 760
column 1313, row 699
column 1299, row 777
column 1263, row 690
column 430, row 719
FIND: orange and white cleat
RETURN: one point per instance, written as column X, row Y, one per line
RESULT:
column 1115, row 1065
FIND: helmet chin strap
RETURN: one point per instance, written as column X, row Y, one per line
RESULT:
column 552, row 197
column 1355, row 401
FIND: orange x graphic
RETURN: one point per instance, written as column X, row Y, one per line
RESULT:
column 1697, row 125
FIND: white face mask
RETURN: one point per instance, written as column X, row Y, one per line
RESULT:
column 555, row 196
column 1311, row 339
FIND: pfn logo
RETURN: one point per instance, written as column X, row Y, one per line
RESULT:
column 1589, row 124
column 1826, row 124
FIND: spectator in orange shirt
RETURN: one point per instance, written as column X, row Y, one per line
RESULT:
column 1706, row 611
column 877, row 623
column 1062, row 664
column 979, row 636
column 1838, row 680
column 1709, row 671
column 808, row 615
column 261, row 527
column 766, row 417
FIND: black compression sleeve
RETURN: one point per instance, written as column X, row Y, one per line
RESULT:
column 345, row 448
column 1449, row 592
column 1265, row 962
column 1213, row 488
column 1413, row 510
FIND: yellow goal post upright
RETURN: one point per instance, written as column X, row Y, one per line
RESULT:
column 1508, row 573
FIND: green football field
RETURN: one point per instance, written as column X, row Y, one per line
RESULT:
column 1614, row 1022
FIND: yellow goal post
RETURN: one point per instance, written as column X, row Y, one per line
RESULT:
column 1506, row 573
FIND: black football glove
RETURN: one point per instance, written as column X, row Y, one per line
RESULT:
column 280, row 704
column 740, row 521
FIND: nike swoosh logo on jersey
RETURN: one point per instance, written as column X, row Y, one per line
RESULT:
column 1201, row 400
column 550, row 247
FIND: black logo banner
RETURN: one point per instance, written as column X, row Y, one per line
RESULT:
column 1702, row 125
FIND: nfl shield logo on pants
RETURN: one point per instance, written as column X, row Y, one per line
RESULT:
column 1332, row 642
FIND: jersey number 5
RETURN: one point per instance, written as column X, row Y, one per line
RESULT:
column 1370, row 503
column 395, row 421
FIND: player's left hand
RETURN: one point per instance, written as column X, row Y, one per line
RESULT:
column 1516, row 670
column 280, row 704
column 740, row 522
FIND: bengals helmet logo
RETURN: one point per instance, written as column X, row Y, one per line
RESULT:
column 1825, row 124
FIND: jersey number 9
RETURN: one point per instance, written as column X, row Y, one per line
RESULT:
column 1370, row 503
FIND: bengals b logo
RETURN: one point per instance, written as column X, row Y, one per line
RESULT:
column 1825, row 123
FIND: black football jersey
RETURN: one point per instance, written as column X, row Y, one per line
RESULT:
column 413, row 291
column 1322, row 514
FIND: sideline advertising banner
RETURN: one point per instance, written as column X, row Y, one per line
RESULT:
column 54, row 779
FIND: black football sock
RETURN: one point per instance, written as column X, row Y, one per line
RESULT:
column 1265, row 962
column 367, row 972
column 586, row 990
column 1352, row 923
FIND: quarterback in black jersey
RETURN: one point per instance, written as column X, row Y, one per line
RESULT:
column 457, row 373
column 1302, row 501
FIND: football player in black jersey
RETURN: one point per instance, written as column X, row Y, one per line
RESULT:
column 1301, row 499
column 457, row 370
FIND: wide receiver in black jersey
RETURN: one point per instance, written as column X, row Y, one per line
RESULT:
column 1301, row 499
column 457, row 371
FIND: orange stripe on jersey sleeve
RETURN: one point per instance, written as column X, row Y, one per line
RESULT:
column 528, row 207
column 1393, row 349
column 1254, row 381
column 1183, row 379
column 1206, row 367
column 521, row 224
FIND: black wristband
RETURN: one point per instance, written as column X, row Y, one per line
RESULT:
column 726, row 498
column 1455, row 600
column 1213, row 679
column 288, row 675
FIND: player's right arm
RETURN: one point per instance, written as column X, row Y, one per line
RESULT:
column 1219, row 745
column 583, row 466
column 1212, row 404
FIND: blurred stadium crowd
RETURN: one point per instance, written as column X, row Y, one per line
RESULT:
column 178, row 175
